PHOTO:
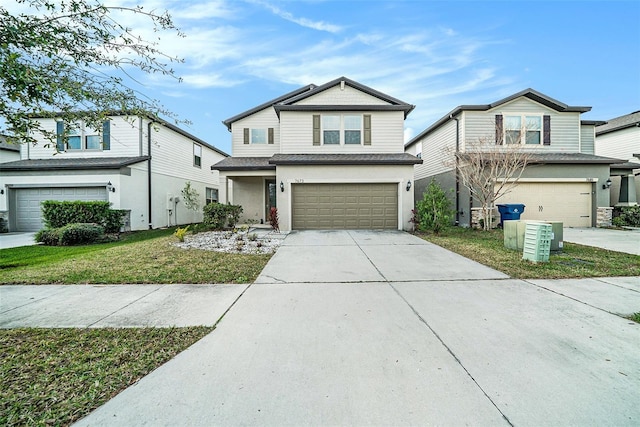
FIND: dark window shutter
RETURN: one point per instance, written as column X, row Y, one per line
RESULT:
column 499, row 133
column 367, row 129
column 106, row 135
column 246, row 135
column 316, row 129
column 546, row 130
column 270, row 140
column 60, row 136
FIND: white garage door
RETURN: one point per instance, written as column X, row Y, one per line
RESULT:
column 28, row 210
column 569, row 202
column 345, row 206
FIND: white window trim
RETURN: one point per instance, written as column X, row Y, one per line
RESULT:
column 206, row 194
column 342, row 130
column 196, row 156
column 523, row 127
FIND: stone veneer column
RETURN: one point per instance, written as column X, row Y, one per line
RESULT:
column 604, row 216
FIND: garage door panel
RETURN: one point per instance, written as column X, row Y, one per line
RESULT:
column 344, row 206
column 28, row 210
column 568, row 202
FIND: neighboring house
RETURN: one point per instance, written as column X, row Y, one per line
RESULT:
column 327, row 157
column 620, row 138
column 138, row 164
column 9, row 152
column 565, row 181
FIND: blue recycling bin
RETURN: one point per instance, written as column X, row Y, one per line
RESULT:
column 511, row 211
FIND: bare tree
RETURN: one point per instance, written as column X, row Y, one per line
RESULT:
column 490, row 169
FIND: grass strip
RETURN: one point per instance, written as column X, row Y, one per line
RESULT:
column 147, row 257
column 57, row 376
column 575, row 261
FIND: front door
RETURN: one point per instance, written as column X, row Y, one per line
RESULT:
column 269, row 197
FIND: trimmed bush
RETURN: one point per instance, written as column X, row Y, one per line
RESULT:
column 627, row 216
column 434, row 211
column 218, row 215
column 57, row 214
column 71, row 234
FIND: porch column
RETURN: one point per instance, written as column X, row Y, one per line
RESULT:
column 223, row 190
column 627, row 191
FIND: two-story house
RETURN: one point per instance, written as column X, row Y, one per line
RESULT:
column 139, row 164
column 564, row 181
column 327, row 157
column 620, row 138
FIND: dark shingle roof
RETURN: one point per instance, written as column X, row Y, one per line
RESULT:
column 577, row 158
column 71, row 163
column 345, row 159
column 243, row 163
column 622, row 122
column 8, row 146
column 288, row 100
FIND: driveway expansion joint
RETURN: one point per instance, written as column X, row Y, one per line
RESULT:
column 450, row 351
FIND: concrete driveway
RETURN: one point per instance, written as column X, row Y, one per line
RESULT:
column 14, row 240
column 627, row 241
column 365, row 328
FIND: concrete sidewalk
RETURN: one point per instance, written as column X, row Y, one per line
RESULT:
column 100, row 306
column 453, row 351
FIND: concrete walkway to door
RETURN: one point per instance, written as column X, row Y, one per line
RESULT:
column 361, row 328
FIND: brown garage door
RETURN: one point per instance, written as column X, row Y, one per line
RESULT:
column 344, row 206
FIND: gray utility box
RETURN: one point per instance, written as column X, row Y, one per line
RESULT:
column 514, row 231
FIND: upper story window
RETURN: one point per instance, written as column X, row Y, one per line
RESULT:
column 523, row 129
column 342, row 129
column 82, row 138
column 197, row 155
column 258, row 136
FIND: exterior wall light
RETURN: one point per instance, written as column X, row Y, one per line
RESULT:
column 408, row 185
column 282, row 186
column 607, row 184
column 110, row 187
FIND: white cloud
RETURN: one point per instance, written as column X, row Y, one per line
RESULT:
column 304, row 22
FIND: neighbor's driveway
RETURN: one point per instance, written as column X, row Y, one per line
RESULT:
column 606, row 238
column 353, row 328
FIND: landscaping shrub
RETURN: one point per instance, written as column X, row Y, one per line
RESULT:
column 217, row 215
column 71, row 234
column 626, row 216
column 57, row 214
column 273, row 219
column 434, row 211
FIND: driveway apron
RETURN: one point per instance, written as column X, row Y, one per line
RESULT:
column 381, row 328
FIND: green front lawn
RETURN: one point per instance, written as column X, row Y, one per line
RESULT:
column 575, row 261
column 139, row 257
column 57, row 376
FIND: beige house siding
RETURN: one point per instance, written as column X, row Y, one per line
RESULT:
column 346, row 96
column 263, row 119
column 587, row 139
column 434, row 150
column 387, row 130
column 565, row 127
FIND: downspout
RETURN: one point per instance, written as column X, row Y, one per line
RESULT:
column 149, row 171
column 457, row 164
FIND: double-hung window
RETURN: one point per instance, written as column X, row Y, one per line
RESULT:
column 522, row 129
column 211, row 195
column 197, row 155
column 82, row 138
column 341, row 129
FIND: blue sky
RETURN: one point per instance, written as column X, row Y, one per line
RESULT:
column 433, row 54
